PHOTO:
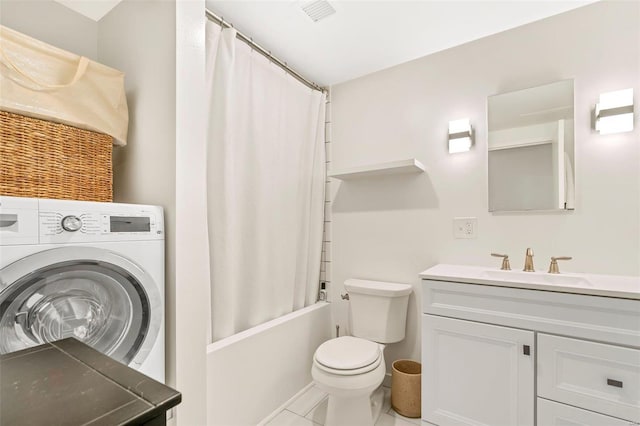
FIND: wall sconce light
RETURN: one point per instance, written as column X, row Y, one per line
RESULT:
column 460, row 136
column 614, row 112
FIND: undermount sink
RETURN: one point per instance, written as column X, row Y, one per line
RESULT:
column 538, row 278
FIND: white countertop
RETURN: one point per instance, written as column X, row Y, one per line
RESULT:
column 627, row 287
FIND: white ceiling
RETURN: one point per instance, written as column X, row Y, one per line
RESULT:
column 367, row 36
column 363, row 36
column 94, row 9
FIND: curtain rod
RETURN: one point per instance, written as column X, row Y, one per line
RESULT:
column 266, row 53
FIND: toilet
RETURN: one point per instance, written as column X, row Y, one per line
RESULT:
column 351, row 368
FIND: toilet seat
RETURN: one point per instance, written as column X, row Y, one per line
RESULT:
column 348, row 356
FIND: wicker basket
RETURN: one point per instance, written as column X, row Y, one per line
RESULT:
column 42, row 159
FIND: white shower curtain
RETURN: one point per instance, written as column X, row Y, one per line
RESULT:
column 266, row 174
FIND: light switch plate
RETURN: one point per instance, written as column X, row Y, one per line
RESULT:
column 465, row 227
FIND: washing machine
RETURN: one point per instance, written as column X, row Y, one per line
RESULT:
column 89, row 270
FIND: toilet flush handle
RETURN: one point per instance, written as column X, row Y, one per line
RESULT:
column 345, row 296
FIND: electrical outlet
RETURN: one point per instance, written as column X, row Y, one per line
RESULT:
column 465, row 227
column 170, row 414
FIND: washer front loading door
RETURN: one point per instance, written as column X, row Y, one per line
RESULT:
column 94, row 295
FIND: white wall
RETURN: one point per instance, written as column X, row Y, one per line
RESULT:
column 52, row 23
column 393, row 228
column 138, row 38
column 192, row 258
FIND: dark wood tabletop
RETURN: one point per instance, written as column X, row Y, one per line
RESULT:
column 69, row 383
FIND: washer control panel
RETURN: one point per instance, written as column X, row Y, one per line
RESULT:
column 64, row 221
column 26, row 221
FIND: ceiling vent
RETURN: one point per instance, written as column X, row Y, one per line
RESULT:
column 317, row 10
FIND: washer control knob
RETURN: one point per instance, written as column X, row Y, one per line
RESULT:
column 71, row 223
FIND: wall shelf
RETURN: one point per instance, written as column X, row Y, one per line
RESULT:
column 410, row 165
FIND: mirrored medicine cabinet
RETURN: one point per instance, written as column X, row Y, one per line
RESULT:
column 531, row 149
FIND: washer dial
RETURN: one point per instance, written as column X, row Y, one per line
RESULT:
column 71, row 223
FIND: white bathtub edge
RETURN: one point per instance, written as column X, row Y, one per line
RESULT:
column 227, row 341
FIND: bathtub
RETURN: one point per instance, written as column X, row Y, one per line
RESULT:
column 252, row 373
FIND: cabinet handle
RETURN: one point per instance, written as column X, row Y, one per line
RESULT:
column 526, row 349
column 614, row 383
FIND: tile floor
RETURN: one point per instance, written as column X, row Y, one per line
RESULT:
column 310, row 409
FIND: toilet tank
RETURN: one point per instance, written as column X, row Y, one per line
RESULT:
column 378, row 310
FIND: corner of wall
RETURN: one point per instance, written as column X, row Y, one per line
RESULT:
column 192, row 271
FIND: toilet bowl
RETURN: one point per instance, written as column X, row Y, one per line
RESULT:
column 350, row 369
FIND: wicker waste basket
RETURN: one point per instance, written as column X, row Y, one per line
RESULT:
column 405, row 387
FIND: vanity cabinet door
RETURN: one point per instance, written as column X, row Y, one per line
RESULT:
column 476, row 374
column 551, row 413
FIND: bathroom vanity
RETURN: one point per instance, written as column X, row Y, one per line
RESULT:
column 513, row 348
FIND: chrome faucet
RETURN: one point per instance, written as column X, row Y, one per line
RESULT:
column 528, row 261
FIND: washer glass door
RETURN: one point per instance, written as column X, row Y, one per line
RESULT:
column 94, row 295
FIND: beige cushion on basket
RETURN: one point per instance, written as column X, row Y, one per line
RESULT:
column 42, row 81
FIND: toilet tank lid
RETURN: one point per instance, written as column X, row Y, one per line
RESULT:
column 377, row 288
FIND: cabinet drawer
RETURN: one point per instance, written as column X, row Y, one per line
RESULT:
column 595, row 376
column 551, row 413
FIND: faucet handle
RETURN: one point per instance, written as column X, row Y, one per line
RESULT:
column 505, row 261
column 553, row 267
